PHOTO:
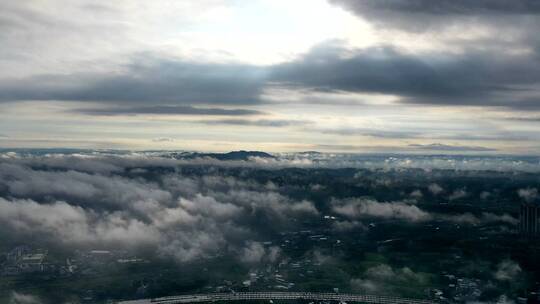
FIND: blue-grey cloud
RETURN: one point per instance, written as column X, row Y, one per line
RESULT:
column 423, row 15
column 156, row 81
column 478, row 78
column 167, row 110
column 475, row 78
column 444, row 7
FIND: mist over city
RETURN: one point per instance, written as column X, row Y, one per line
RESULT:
column 270, row 151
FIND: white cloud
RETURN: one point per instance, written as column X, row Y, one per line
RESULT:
column 255, row 253
column 348, row 225
column 361, row 208
column 74, row 225
column 416, row 194
column 486, row 217
column 21, row 298
column 435, row 189
column 356, row 208
column 60, row 199
column 528, row 194
column 177, row 216
column 457, row 194
column 507, row 270
column 385, row 278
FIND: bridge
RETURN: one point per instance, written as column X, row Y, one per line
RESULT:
column 312, row 296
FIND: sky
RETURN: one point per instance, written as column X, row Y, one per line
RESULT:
column 355, row 76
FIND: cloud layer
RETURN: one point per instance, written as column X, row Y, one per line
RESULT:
column 174, row 215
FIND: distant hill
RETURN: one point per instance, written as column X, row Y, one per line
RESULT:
column 233, row 155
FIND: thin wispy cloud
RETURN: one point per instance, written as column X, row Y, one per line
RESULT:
column 259, row 123
column 166, row 110
column 442, row 147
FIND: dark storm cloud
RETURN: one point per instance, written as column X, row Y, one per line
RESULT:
column 499, row 69
column 484, row 72
column 167, row 110
column 474, row 78
column 155, row 81
column 257, row 123
column 446, row 7
column 163, row 86
column 423, row 15
column 527, row 104
column 442, row 147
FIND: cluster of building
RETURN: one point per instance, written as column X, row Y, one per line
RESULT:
column 262, row 278
column 458, row 290
column 529, row 219
column 25, row 260
column 282, row 275
column 22, row 260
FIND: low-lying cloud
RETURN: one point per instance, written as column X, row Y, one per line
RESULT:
column 191, row 208
column 184, row 217
column 368, row 208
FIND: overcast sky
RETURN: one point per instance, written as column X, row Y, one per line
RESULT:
column 416, row 76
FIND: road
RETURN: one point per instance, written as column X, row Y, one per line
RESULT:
column 342, row 297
